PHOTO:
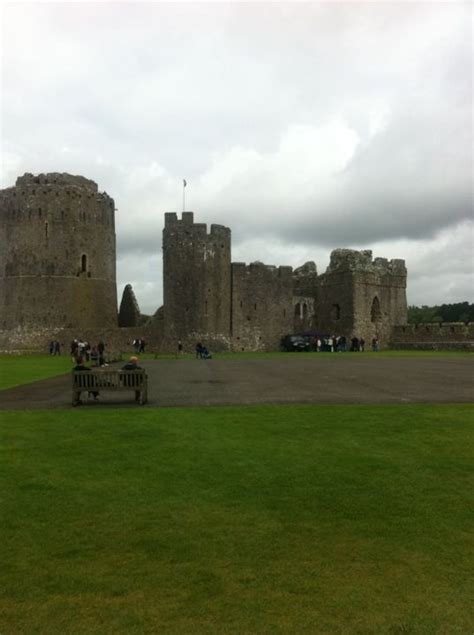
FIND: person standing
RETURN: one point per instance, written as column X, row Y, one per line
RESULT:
column 74, row 350
column 100, row 350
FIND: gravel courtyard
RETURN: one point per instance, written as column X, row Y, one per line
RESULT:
column 298, row 378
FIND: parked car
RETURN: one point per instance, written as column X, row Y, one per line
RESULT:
column 295, row 343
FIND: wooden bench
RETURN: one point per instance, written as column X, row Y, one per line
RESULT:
column 100, row 380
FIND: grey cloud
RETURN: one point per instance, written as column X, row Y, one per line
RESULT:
column 267, row 110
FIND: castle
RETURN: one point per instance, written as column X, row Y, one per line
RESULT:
column 57, row 279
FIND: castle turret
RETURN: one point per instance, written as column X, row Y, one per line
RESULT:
column 196, row 281
column 57, row 255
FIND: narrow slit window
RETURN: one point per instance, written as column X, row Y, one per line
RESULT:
column 336, row 312
column 375, row 312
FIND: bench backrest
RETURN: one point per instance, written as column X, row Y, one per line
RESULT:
column 112, row 379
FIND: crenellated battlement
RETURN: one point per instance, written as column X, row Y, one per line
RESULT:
column 171, row 219
column 59, row 199
column 444, row 329
column 259, row 268
column 434, row 336
column 56, row 178
column 51, row 194
column 187, row 225
column 361, row 261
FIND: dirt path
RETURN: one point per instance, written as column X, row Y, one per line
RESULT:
column 347, row 378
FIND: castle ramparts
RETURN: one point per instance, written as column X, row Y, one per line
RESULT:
column 57, row 274
column 434, row 336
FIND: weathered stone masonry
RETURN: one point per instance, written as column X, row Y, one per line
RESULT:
column 196, row 282
column 57, row 255
column 57, row 276
column 234, row 306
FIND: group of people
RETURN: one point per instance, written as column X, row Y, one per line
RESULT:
column 139, row 345
column 338, row 344
column 94, row 354
column 202, row 352
column 54, row 347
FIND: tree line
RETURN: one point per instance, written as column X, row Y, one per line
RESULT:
column 457, row 312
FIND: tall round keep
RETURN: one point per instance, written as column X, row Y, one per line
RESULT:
column 196, row 280
column 57, row 254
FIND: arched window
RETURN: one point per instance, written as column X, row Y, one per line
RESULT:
column 298, row 310
column 83, row 262
column 375, row 312
column 336, row 312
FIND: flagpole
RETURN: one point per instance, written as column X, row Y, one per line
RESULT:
column 184, row 190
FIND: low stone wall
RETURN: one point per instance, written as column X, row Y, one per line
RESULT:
column 117, row 340
column 434, row 336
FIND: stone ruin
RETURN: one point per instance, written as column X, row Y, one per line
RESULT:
column 57, row 279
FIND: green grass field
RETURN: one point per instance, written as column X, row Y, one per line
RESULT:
column 23, row 369
column 303, row 519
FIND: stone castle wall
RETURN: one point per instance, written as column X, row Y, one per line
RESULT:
column 57, row 254
column 57, row 276
column 434, row 336
column 117, row 340
column 305, row 293
column 360, row 296
column 262, row 301
column 196, row 281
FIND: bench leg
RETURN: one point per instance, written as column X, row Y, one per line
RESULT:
column 76, row 398
column 143, row 398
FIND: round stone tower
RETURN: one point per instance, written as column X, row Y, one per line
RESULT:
column 196, row 281
column 57, row 255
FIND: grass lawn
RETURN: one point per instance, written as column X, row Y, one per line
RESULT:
column 302, row 519
column 23, row 369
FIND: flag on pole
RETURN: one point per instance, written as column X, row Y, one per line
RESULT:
column 184, row 183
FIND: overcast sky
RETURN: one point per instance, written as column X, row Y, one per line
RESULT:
column 301, row 126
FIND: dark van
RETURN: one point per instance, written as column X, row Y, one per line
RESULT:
column 295, row 343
